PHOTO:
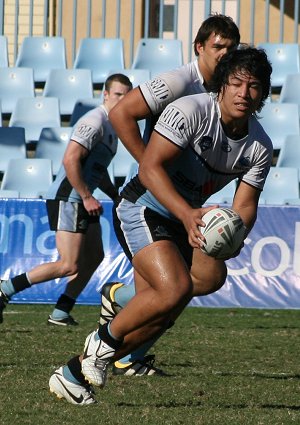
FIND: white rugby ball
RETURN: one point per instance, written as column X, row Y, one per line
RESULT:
column 224, row 232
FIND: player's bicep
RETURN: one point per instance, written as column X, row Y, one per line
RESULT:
column 160, row 151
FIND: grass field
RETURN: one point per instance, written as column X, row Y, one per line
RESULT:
column 227, row 366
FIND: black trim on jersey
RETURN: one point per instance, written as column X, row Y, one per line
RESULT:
column 133, row 190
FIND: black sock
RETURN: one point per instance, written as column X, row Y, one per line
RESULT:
column 65, row 303
column 20, row 282
column 74, row 365
column 106, row 337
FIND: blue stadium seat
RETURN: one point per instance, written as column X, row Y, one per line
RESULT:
column 15, row 83
column 285, row 59
column 289, row 155
column 42, row 54
column 30, row 177
column 68, row 85
column 281, row 186
column 34, row 114
column 82, row 106
column 136, row 76
column 279, row 120
column 9, row 194
column 12, row 145
column 52, row 145
column 290, row 92
column 3, row 51
column 122, row 161
column 99, row 55
column 158, row 55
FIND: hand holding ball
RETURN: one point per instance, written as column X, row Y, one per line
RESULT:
column 224, row 232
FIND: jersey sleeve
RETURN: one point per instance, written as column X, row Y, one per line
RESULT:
column 89, row 130
column 263, row 155
column 164, row 89
column 176, row 125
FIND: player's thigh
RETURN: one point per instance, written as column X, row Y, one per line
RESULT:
column 161, row 265
column 208, row 274
column 69, row 245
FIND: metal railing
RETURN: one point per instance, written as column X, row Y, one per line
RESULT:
column 258, row 21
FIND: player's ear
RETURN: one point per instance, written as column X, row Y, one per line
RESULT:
column 199, row 47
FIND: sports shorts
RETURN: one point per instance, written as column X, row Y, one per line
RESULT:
column 68, row 216
column 137, row 226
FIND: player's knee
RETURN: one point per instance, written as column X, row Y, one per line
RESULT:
column 208, row 284
column 69, row 269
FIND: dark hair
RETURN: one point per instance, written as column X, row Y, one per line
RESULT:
column 219, row 24
column 120, row 78
column 245, row 59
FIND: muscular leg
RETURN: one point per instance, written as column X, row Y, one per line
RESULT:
column 91, row 255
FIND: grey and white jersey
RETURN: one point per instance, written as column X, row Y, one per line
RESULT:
column 167, row 87
column 209, row 158
column 95, row 132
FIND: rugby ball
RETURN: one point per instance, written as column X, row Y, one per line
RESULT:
column 224, row 232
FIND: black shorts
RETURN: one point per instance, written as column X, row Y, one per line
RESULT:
column 68, row 216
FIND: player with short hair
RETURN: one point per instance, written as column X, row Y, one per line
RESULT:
column 73, row 211
column 199, row 144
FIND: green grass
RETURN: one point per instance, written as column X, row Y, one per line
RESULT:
column 227, row 366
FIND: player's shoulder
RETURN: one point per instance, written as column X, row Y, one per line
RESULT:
column 195, row 102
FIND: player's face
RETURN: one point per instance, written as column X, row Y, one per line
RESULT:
column 211, row 52
column 241, row 97
column 116, row 92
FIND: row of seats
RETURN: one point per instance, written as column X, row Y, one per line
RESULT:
column 99, row 55
column 281, row 188
column 68, row 85
column 285, row 59
column 31, row 178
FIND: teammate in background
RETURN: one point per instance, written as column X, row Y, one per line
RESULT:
column 73, row 212
column 217, row 35
column 200, row 144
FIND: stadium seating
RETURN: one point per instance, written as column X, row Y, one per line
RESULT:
column 290, row 92
column 136, row 76
column 68, row 85
column 158, row 55
column 30, row 177
column 9, row 194
column 34, row 114
column 285, row 59
column 42, row 54
column 15, row 83
column 122, row 162
column 289, row 155
column 12, row 145
column 52, row 144
column 82, row 106
column 99, row 55
column 3, row 51
column 280, row 120
column 282, row 185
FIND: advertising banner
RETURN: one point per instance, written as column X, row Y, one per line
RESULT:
column 266, row 274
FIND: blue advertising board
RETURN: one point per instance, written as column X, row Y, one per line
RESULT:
column 266, row 274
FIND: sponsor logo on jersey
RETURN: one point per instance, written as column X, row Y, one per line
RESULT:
column 206, row 143
column 159, row 89
column 86, row 131
column 174, row 118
